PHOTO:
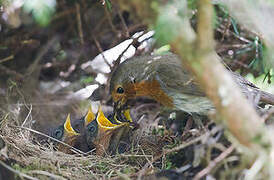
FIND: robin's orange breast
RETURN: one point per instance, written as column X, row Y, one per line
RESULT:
column 163, row 78
column 150, row 89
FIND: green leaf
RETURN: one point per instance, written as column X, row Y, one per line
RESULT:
column 234, row 25
column 109, row 5
column 162, row 50
column 41, row 10
column 87, row 80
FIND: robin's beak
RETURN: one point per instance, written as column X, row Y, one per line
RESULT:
column 121, row 112
column 109, row 134
column 117, row 107
column 127, row 115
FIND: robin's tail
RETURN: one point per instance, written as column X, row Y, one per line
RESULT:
column 267, row 98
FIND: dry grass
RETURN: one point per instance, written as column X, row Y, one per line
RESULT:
column 151, row 152
column 41, row 161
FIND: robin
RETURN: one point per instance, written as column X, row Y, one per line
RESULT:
column 164, row 79
column 91, row 132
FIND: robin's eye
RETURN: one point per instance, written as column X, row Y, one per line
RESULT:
column 120, row 90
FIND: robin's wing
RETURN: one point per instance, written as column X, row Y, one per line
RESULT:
column 172, row 77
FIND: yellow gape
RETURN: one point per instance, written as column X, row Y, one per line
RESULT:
column 90, row 116
column 68, row 128
column 103, row 122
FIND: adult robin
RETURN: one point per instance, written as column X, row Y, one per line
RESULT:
column 164, row 79
column 91, row 132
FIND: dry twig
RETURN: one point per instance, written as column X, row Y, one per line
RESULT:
column 79, row 23
column 6, row 59
column 213, row 163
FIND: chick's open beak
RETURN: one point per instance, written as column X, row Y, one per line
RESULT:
column 68, row 128
column 109, row 134
column 103, row 123
column 90, row 116
column 70, row 137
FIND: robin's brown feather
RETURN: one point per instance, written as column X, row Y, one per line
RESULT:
column 164, row 79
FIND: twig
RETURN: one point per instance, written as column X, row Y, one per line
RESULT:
column 150, row 162
column 118, row 60
column 135, row 155
column 226, row 30
column 45, row 173
column 20, row 174
column 11, row 72
column 79, row 23
column 101, row 51
column 122, row 176
column 98, row 25
column 123, row 23
column 218, row 83
column 62, row 14
column 27, row 117
column 213, row 163
column 42, row 134
column 110, row 21
column 205, row 40
column 136, row 27
column 146, row 39
column 6, row 59
column 41, row 53
column 165, row 152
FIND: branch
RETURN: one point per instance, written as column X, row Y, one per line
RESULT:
column 240, row 118
column 204, row 27
column 197, row 53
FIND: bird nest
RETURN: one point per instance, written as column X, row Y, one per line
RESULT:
column 25, row 156
column 153, row 151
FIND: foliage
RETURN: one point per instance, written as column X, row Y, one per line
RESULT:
column 42, row 11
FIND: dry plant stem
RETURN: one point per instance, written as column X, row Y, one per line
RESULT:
column 109, row 18
column 6, row 59
column 213, row 163
column 79, row 23
column 123, row 23
column 205, row 40
column 240, row 118
column 27, row 117
column 165, row 152
column 42, row 134
column 118, row 60
column 11, row 72
column 99, row 47
column 40, row 55
column 45, row 173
